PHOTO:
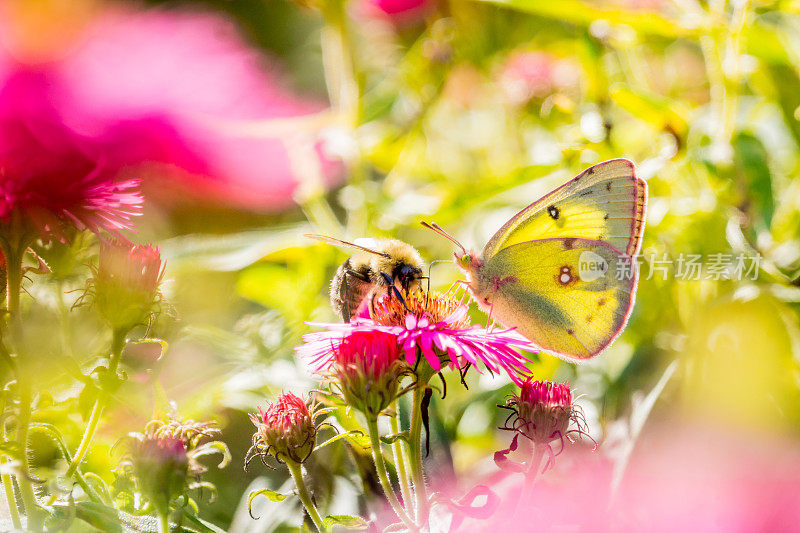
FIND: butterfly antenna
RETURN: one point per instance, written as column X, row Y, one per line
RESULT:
column 436, row 228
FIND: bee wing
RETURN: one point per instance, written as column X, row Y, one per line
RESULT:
column 344, row 244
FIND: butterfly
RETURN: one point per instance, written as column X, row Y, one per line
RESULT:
column 562, row 270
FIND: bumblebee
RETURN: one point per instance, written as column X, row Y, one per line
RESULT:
column 378, row 265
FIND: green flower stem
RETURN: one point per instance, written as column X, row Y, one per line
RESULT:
column 415, row 445
column 305, row 496
column 380, row 466
column 339, row 63
column 345, row 89
column 8, row 485
column 163, row 522
column 117, row 344
column 25, row 485
column 400, row 455
column 14, row 253
column 8, row 488
column 532, row 474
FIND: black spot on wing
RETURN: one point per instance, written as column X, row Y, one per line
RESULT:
column 553, row 212
column 608, row 185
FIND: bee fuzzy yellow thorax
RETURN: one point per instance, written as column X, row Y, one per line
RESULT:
column 399, row 253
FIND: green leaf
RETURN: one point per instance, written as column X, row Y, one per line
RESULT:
column 202, row 526
column 337, row 437
column 10, row 449
column 100, row 516
column 164, row 344
column 754, row 179
column 229, row 252
column 51, row 431
column 394, row 437
column 214, row 448
column 660, row 112
column 271, row 495
column 637, row 420
column 583, row 13
column 345, row 521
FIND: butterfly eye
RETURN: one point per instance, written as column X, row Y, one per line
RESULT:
column 464, row 260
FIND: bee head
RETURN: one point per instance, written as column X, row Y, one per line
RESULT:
column 406, row 274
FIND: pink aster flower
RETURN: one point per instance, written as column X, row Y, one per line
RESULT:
column 52, row 178
column 435, row 327
column 366, row 368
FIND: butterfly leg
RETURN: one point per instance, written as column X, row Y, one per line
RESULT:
column 489, row 323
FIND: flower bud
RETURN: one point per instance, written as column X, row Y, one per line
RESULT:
column 367, row 369
column 161, row 467
column 125, row 283
column 544, row 410
column 285, row 429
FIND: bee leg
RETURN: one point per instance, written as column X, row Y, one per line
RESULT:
column 392, row 289
column 344, row 289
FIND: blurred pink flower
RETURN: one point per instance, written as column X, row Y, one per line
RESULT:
column 531, row 74
column 179, row 98
column 400, row 12
column 52, row 178
column 680, row 479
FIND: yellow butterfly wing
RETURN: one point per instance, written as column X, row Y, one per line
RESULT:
column 605, row 203
column 571, row 297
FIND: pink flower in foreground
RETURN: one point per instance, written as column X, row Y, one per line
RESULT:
column 179, row 98
column 52, row 178
column 285, row 430
column 436, row 327
column 682, row 476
